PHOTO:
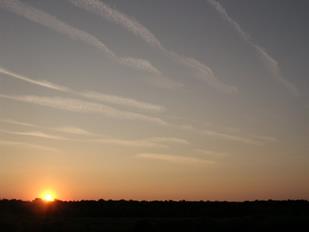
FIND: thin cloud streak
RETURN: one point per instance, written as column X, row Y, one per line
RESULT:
column 162, row 142
column 203, row 72
column 233, row 137
column 103, row 10
column 82, row 132
column 66, row 129
column 211, row 152
column 15, row 143
column 129, row 143
column 269, row 139
column 273, row 65
column 80, row 106
column 43, row 18
column 107, row 98
column 174, row 158
column 122, row 101
column 74, row 131
column 247, row 139
column 159, row 142
column 170, row 140
column 226, row 16
column 42, row 83
column 38, row 134
column 269, row 61
column 14, row 122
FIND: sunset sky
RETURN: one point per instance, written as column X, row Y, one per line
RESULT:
column 154, row 99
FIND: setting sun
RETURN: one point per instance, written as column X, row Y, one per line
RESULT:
column 48, row 196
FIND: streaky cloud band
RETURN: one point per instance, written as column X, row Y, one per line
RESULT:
column 175, row 158
column 108, row 98
column 47, row 20
column 80, row 106
column 269, row 61
column 202, row 71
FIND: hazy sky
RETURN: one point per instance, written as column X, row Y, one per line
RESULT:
column 154, row 99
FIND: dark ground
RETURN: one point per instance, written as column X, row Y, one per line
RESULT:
column 154, row 216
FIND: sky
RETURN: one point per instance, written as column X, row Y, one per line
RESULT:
column 153, row 100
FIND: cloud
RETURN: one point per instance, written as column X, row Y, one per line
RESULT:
column 107, row 98
column 211, row 152
column 122, row 19
column 43, row 18
column 159, row 142
column 66, row 129
column 273, row 66
column 162, row 142
column 247, row 139
column 269, row 139
column 129, row 143
column 14, row 122
column 74, row 131
column 230, row 137
column 117, row 100
column 174, row 158
column 15, row 143
column 169, row 140
column 40, row 17
column 203, row 72
column 80, row 106
column 269, row 61
column 34, row 134
column 42, row 83
column 226, row 16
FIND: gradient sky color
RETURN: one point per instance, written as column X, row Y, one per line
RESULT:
column 204, row 99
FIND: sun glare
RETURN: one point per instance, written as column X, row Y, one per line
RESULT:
column 48, row 196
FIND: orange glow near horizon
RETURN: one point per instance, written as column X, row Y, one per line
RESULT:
column 48, row 196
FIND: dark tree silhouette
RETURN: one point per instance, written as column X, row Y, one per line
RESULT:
column 16, row 215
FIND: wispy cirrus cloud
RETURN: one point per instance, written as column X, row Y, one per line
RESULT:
column 30, row 145
column 273, row 66
column 211, row 152
column 117, row 100
column 233, row 137
column 202, row 71
column 247, row 139
column 205, row 73
column 228, row 135
column 41, row 83
column 34, row 134
column 80, row 106
column 170, row 140
column 158, row 142
column 263, row 138
column 67, row 129
column 270, row 62
column 107, row 98
column 102, row 9
column 175, row 158
column 227, row 17
column 74, row 131
column 47, row 20
column 129, row 143
column 147, row 142
column 19, row 123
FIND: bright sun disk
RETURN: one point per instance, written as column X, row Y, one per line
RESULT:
column 48, row 196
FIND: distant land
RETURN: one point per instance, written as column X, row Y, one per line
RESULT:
column 123, row 215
